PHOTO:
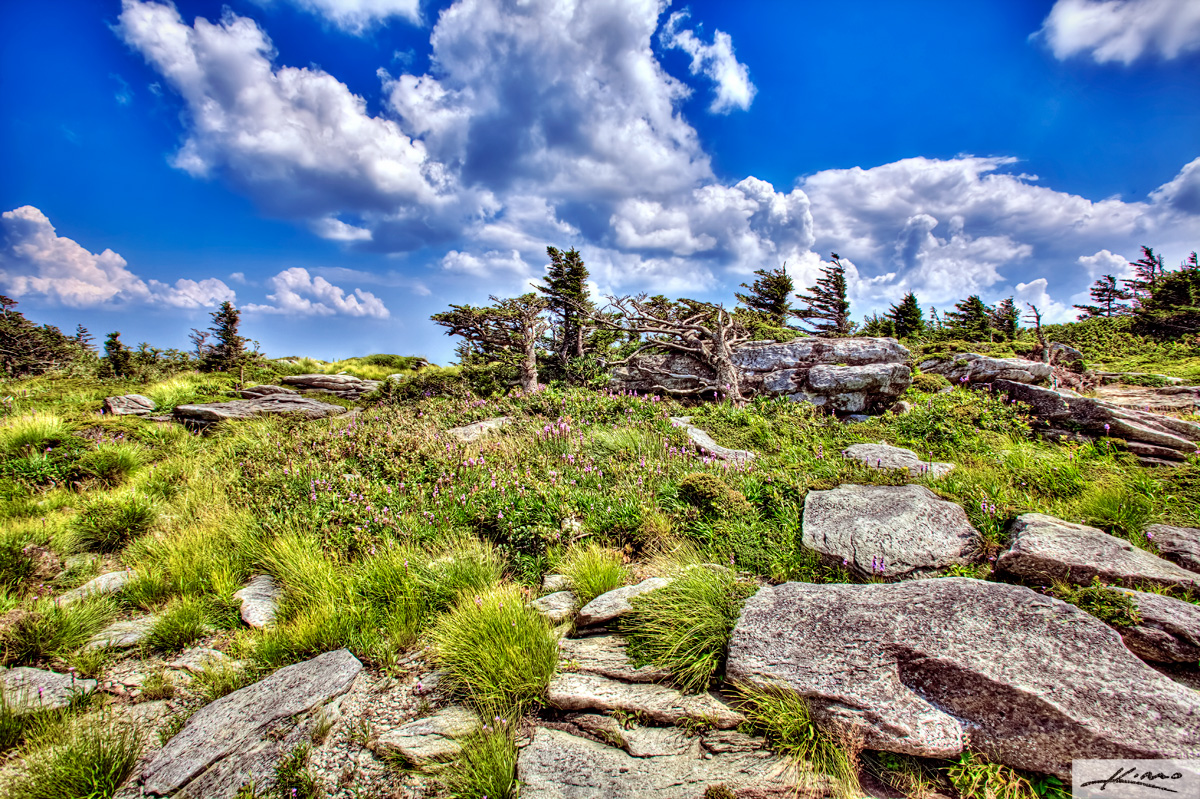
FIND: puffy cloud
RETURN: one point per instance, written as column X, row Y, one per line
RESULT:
column 296, row 292
column 334, row 229
column 1122, row 30
column 716, row 61
column 1035, row 293
column 1182, row 193
column 356, row 16
column 1105, row 263
column 35, row 260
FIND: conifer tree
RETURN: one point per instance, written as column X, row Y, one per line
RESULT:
column 826, row 303
column 228, row 351
column 509, row 330
column 876, row 325
column 1172, row 309
column 1005, row 319
column 907, row 317
column 1109, row 299
column 118, row 357
column 567, row 301
column 770, row 295
column 971, row 319
column 1147, row 271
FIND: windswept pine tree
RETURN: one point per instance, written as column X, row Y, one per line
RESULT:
column 826, row 309
column 770, row 295
column 1110, row 299
column 907, row 318
column 509, row 330
column 1006, row 318
column 1172, row 309
column 228, row 352
column 971, row 319
column 567, row 301
column 1147, row 271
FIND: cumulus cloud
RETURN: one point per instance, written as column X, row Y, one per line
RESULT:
column 1122, row 30
column 356, row 16
column 716, row 61
column 35, row 260
column 297, row 293
column 1035, row 293
column 1105, row 263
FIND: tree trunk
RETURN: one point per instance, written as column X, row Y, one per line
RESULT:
column 722, row 354
column 529, row 373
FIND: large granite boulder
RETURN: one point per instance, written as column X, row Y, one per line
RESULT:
column 345, row 386
column 888, row 531
column 1173, row 399
column 1044, row 548
column 240, row 737
column 1100, row 418
column 1179, row 545
column 271, row 404
column 977, row 368
column 129, row 405
column 1169, row 631
column 847, row 375
column 917, row 667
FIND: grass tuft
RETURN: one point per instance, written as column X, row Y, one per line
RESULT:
column 107, row 524
column 88, row 758
column 486, row 768
column 48, row 630
column 32, row 434
column 593, row 570
column 181, row 624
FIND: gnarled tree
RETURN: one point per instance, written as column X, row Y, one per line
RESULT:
column 508, row 330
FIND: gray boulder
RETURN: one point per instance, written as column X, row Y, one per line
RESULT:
column 888, row 531
column 28, row 690
column 983, row 369
column 474, row 432
column 558, row 765
column 553, row 583
column 556, row 607
column 1169, row 631
column 260, row 601
column 110, row 583
column 254, row 392
column 615, row 603
column 1173, row 399
column 129, row 405
column 1179, row 545
column 917, row 667
column 605, row 656
column 706, row 444
column 1044, row 548
column 885, row 456
column 241, row 736
column 654, row 703
column 433, row 739
column 272, row 404
column 345, row 386
column 123, row 634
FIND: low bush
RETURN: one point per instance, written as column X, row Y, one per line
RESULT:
column 495, row 650
column 593, row 570
column 88, row 758
column 711, row 496
column 107, row 524
column 929, row 383
column 684, row 627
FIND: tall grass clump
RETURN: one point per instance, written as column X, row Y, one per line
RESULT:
column 462, row 566
column 685, row 626
column 496, row 651
column 106, row 524
column 593, row 570
column 975, row 776
column 48, row 630
column 1119, row 511
column 112, row 464
column 787, row 724
column 32, row 433
column 180, row 624
column 486, row 768
column 88, row 758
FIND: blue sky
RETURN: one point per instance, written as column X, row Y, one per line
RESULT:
column 341, row 169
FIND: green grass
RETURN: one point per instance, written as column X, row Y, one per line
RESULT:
column 87, row 758
column 684, row 627
column 487, row 766
column 32, row 433
column 593, row 570
column 112, row 464
column 221, row 678
column 46, row 630
column 179, row 625
column 495, row 650
column 1110, row 605
column 108, row 523
column 973, row 775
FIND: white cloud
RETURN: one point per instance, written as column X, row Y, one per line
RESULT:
column 1182, row 193
column 1122, row 30
column 356, row 16
column 334, row 229
column 298, row 293
column 1105, row 263
column 35, row 260
column 1035, row 293
column 716, row 61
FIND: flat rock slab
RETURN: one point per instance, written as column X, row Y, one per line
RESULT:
column 123, row 634
column 254, row 392
column 615, row 603
column 28, row 690
column 917, row 666
column 238, row 737
column 260, row 601
column 556, row 607
column 272, row 404
column 705, row 442
column 558, row 765
column 982, row 369
column 638, row 741
column 474, row 432
column 129, row 405
column 111, row 583
column 553, row 583
column 606, row 656
column 885, row 456
column 1045, row 548
column 1173, row 399
column 888, row 531
column 347, row 386
column 433, row 739
column 1169, row 631
column 654, row 703
column 1180, row 545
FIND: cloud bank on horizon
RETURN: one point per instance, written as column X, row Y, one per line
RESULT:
column 556, row 122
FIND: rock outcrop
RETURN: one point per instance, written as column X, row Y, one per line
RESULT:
column 254, row 392
column 655, row 703
column 1044, row 548
column 428, row 741
column 123, row 634
column 885, row 456
column 129, row 405
column 970, row 367
column 1169, row 631
column 888, row 531
column 615, row 603
column 288, row 404
column 476, row 431
column 344, row 386
column 847, row 375
column 28, row 690
column 605, row 656
column 110, row 583
column 916, row 667
column 1180, row 545
column 556, row 607
column 1172, row 399
column 706, row 444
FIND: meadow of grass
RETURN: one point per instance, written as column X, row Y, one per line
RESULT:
column 386, row 533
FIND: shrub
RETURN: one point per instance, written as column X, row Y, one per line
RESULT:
column 593, row 570
column 16, row 567
column 49, row 630
column 929, row 383
column 787, row 724
column 495, row 650
column 712, row 496
column 486, row 768
column 106, row 524
column 1110, row 605
column 947, row 425
column 179, row 625
column 685, row 626
column 87, row 759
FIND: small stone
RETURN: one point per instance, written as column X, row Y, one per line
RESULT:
column 553, row 583
column 111, row 583
column 29, row 690
column 706, row 444
column 128, row 405
column 557, row 607
column 260, row 601
column 199, row 660
column 654, row 703
column 885, row 456
column 429, row 740
column 123, row 634
column 615, row 603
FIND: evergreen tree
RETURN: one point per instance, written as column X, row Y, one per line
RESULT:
column 971, row 319
column 567, row 300
column 876, row 325
column 1172, row 308
column 907, row 318
column 119, row 359
column 826, row 303
column 509, row 330
column 27, row 348
column 1005, row 319
column 1147, row 271
column 770, row 295
column 84, row 339
column 1109, row 299
column 228, row 351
